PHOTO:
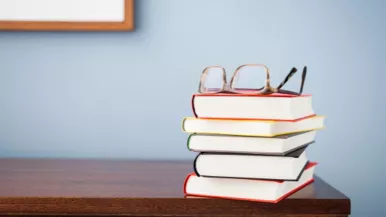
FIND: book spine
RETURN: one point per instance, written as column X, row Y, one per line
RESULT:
column 188, row 142
column 195, row 166
column 186, row 182
column 183, row 125
column 193, row 107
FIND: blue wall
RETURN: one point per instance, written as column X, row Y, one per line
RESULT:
column 123, row 95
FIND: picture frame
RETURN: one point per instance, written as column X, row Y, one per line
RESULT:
column 67, row 15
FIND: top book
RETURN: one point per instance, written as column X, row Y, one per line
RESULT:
column 252, row 106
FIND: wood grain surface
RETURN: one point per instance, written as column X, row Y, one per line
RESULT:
column 137, row 188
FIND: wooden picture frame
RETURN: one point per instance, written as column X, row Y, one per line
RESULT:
column 121, row 22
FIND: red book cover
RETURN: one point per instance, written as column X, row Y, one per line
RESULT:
column 311, row 164
column 276, row 95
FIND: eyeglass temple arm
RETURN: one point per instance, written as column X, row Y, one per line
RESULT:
column 286, row 79
column 304, row 74
column 290, row 74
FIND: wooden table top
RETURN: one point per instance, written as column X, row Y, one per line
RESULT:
column 136, row 188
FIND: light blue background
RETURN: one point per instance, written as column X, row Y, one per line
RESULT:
column 123, row 95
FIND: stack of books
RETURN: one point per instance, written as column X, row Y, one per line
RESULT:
column 250, row 147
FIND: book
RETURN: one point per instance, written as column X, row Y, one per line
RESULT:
column 278, row 145
column 248, row 166
column 252, row 106
column 247, row 189
column 251, row 127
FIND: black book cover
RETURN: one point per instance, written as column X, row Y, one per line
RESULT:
column 294, row 154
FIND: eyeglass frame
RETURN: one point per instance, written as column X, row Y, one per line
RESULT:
column 266, row 90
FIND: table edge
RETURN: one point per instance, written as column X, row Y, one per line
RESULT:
column 167, row 206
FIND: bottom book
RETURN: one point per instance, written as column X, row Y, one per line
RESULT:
column 247, row 189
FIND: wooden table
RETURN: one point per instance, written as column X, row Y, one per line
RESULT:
column 137, row 188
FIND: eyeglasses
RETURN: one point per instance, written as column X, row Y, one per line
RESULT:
column 246, row 72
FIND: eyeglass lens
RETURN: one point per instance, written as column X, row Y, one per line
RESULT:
column 249, row 78
column 213, row 79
